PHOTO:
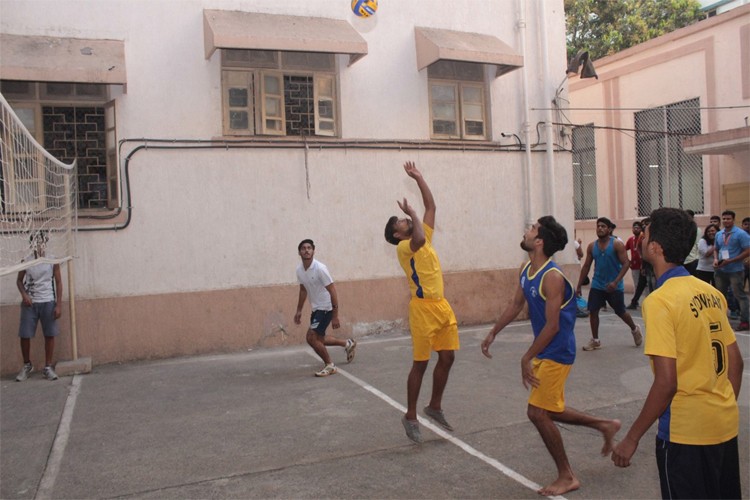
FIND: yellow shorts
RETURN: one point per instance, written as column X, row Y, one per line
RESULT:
column 550, row 395
column 433, row 327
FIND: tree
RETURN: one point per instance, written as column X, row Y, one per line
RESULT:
column 604, row 27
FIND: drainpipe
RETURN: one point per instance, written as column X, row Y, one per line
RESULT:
column 551, row 195
column 526, row 132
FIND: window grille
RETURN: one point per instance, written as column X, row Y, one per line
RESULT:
column 667, row 176
column 584, row 173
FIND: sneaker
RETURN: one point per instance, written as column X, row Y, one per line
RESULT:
column 439, row 417
column 351, row 346
column 734, row 315
column 637, row 335
column 592, row 345
column 743, row 327
column 327, row 370
column 24, row 373
column 412, row 430
column 49, row 373
column 632, row 306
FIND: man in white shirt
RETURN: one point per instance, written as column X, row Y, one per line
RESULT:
column 316, row 283
column 41, row 300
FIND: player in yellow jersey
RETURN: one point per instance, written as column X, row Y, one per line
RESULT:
column 697, row 369
column 431, row 320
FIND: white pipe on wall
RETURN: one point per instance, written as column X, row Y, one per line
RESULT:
column 526, row 133
column 550, row 182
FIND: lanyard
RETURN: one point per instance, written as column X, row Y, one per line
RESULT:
column 726, row 237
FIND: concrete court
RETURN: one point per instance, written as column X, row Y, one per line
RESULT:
column 259, row 425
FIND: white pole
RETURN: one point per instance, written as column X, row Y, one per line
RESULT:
column 526, row 125
column 547, row 102
column 72, row 305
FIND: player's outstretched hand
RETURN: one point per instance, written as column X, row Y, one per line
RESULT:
column 404, row 205
column 411, row 170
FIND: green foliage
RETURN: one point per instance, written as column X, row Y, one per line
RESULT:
column 604, row 27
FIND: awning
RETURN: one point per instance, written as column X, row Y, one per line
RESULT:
column 734, row 140
column 437, row 44
column 56, row 59
column 225, row 29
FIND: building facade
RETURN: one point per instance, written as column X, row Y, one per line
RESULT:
column 665, row 124
column 212, row 136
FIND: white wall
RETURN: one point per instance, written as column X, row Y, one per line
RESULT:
column 214, row 219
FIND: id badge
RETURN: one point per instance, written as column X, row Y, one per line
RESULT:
column 724, row 254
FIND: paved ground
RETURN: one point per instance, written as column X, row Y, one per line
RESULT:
column 259, row 425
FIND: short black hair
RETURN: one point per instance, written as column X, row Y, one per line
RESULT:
column 389, row 230
column 674, row 230
column 554, row 236
column 606, row 222
column 728, row 212
column 690, row 212
column 308, row 240
column 746, row 219
column 637, row 223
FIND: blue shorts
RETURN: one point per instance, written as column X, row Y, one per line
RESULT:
column 616, row 299
column 30, row 317
column 319, row 321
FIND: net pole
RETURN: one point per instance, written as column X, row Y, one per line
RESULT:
column 72, row 308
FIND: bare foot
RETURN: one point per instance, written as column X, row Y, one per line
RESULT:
column 608, row 431
column 560, row 486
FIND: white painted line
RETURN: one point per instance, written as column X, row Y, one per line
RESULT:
column 440, row 432
column 52, row 468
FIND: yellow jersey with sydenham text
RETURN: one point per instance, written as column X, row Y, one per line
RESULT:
column 686, row 320
column 422, row 268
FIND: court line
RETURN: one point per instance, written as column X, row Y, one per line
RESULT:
column 448, row 437
column 52, row 468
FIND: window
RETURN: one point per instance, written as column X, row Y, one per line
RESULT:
column 457, row 100
column 73, row 121
column 584, row 172
column 267, row 92
column 667, row 176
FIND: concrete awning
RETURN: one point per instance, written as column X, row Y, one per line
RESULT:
column 56, row 59
column 225, row 29
column 438, row 44
column 734, row 140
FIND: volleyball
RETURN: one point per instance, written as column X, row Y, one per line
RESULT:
column 364, row 8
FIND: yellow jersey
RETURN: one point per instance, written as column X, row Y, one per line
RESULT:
column 422, row 268
column 686, row 320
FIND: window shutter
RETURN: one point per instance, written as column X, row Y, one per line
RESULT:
column 110, row 144
column 325, row 105
column 472, row 111
column 272, row 104
column 237, row 103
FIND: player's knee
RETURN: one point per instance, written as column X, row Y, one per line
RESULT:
column 536, row 414
column 312, row 337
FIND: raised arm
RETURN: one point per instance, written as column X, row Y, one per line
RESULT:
column 427, row 198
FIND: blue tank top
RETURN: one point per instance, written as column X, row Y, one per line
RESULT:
column 606, row 266
column 562, row 347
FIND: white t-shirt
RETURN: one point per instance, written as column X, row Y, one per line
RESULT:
column 38, row 283
column 315, row 279
column 705, row 263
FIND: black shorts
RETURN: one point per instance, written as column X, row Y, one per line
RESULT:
column 319, row 321
column 698, row 471
column 597, row 299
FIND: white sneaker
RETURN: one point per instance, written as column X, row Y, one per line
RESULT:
column 351, row 346
column 49, row 373
column 637, row 336
column 327, row 370
column 593, row 345
column 24, row 373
